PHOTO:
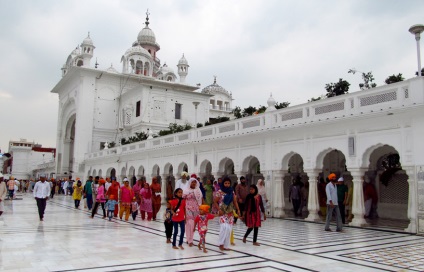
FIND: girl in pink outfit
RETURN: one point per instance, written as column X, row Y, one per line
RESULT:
column 127, row 195
column 100, row 198
column 146, row 202
column 194, row 198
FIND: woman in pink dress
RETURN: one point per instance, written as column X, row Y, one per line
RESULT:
column 194, row 198
column 146, row 202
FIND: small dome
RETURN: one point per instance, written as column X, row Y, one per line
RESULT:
column 215, row 89
column 183, row 61
column 88, row 41
column 271, row 101
column 111, row 69
column 165, row 69
column 137, row 50
column 146, row 36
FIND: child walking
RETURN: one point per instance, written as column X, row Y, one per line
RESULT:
column 134, row 208
column 110, row 206
column 254, row 206
column 168, row 222
column 201, row 221
column 178, row 217
column 146, row 202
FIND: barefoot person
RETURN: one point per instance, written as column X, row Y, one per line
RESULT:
column 41, row 194
column 252, row 216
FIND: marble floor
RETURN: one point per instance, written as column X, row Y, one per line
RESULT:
column 69, row 240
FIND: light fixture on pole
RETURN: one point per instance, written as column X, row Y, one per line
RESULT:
column 195, row 113
column 417, row 30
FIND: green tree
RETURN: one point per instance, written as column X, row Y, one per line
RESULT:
column 237, row 113
column 338, row 88
column 394, row 78
column 249, row 111
column 281, row 105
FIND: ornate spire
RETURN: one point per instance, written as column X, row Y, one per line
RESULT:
column 147, row 18
column 214, row 79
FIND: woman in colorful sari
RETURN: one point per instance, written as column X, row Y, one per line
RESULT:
column 127, row 195
column 194, row 198
column 156, row 196
column 227, row 203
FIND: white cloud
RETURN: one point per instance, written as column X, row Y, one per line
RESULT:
column 289, row 48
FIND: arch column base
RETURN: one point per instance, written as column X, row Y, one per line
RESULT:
column 412, row 227
column 358, row 222
column 313, row 217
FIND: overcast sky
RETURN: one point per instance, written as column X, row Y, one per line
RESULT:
column 288, row 48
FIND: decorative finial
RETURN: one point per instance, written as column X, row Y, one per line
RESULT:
column 147, row 18
column 96, row 64
column 214, row 79
column 89, row 34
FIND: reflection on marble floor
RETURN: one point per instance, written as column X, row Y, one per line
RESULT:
column 69, row 240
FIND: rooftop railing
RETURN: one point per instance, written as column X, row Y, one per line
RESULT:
column 382, row 99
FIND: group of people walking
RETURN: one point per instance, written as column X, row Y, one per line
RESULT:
column 192, row 207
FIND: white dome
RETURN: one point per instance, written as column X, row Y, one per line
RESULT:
column 87, row 41
column 111, row 69
column 137, row 50
column 183, row 61
column 146, row 36
column 271, row 101
column 215, row 89
column 166, row 70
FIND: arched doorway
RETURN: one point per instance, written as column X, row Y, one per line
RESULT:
column 252, row 169
column 156, row 173
column 333, row 161
column 295, row 173
column 111, row 172
column 68, row 145
column 131, row 175
column 182, row 167
column 206, row 170
column 390, row 181
column 169, row 177
column 226, row 168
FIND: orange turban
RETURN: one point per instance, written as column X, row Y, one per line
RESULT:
column 204, row 208
column 332, row 176
column 102, row 181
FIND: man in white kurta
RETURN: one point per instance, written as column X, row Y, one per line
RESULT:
column 41, row 194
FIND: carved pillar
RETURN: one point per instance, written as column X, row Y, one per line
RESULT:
column 313, row 204
column 164, row 183
column 358, row 205
column 278, row 204
column 412, row 199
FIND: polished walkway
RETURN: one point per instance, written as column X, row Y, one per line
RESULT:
column 69, row 240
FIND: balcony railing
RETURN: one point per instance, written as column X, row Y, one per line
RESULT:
column 220, row 108
column 380, row 100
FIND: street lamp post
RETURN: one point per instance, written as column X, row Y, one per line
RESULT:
column 417, row 30
column 195, row 113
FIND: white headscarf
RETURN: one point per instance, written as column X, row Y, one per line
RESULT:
column 196, row 191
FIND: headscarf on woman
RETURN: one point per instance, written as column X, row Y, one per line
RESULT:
column 229, row 192
column 251, row 197
column 196, row 191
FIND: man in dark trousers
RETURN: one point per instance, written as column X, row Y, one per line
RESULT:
column 242, row 190
column 41, row 194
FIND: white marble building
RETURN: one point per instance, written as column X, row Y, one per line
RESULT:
column 351, row 135
column 104, row 106
column 29, row 160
